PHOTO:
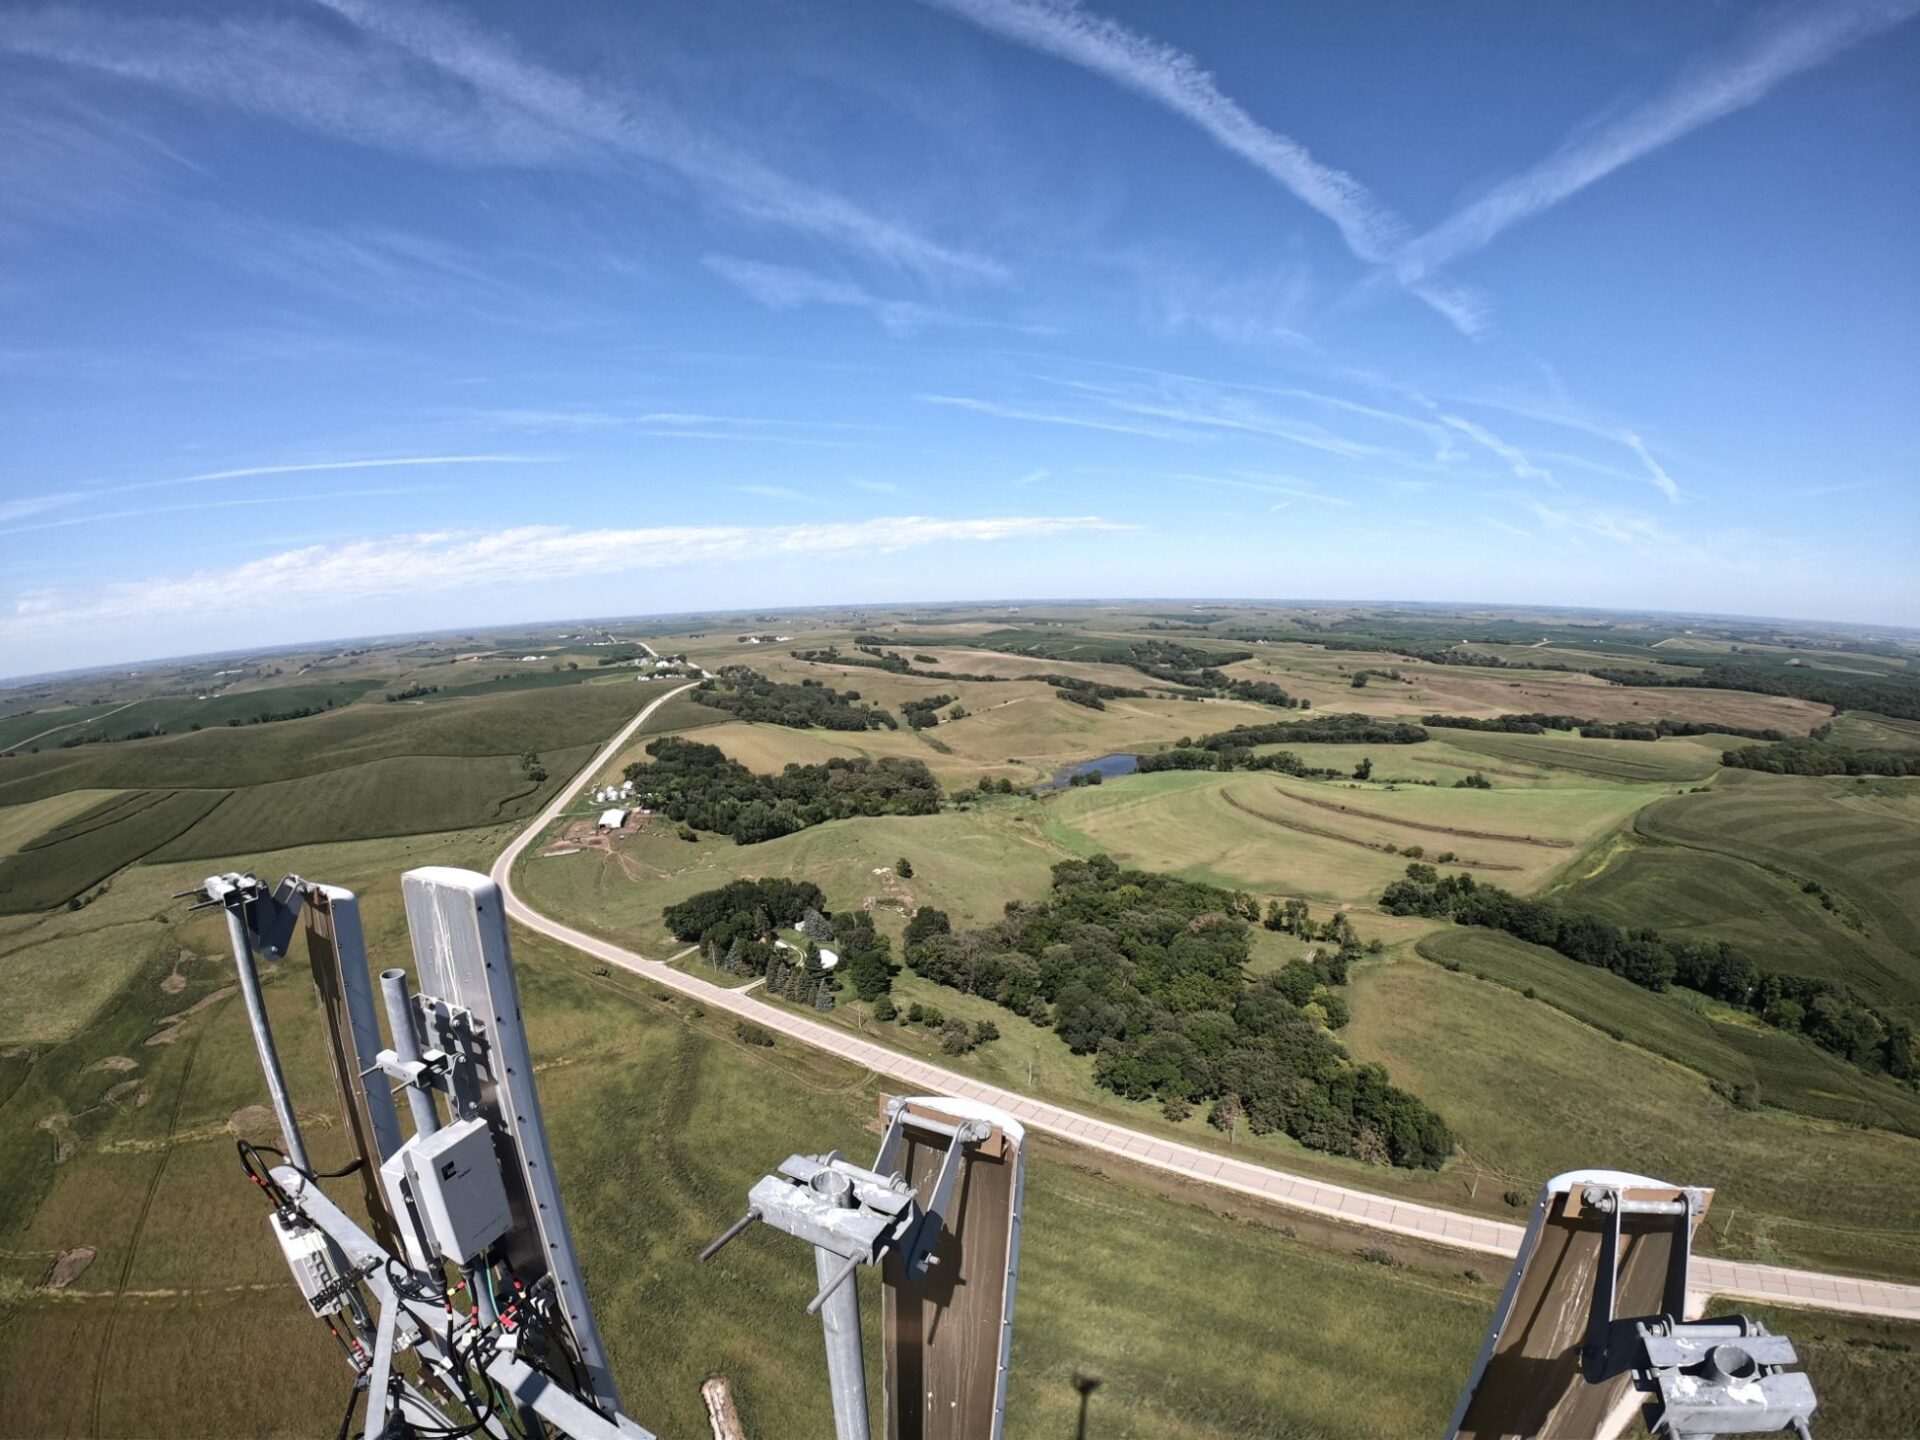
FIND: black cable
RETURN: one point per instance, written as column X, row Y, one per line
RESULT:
column 346, row 1420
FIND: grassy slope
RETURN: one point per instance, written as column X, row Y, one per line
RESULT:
column 1792, row 1191
column 61, row 863
column 1719, row 1042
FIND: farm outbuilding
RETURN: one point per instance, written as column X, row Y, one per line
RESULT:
column 611, row 819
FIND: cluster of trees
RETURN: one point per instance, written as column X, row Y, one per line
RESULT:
column 1189, row 756
column 737, row 924
column 1326, row 728
column 1539, row 724
column 1148, row 974
column 532, row 766
column 412, row 692
column 1360, row 677
column 750, row 908
column 1812, row 757
column 1887, row 695
column 1824, row 1012
column 920, row 713
column 809, row 705
column 699, row 786
column 1090, row 693
column 956, row 1036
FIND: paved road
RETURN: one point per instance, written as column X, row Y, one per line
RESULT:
column 1340, row 1202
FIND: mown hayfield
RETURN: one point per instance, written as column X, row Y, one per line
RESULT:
column 1859, row 840
column 67, row 860
column 1326, row 841
column 1325, row 678
column 1790, row 1190
column 966, row 862
column 411, row 795
column 1673, row 760
column 1719, row 1042
column 1433, row 761
column 1183, row 822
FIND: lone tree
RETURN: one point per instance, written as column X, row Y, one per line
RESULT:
column 1364, row 770
column 903, row 867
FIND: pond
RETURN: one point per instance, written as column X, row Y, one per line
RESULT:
column 1107, row 767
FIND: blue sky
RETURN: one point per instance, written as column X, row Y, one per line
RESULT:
column 330, row 317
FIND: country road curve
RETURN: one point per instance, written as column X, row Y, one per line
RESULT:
column 1767, row 1283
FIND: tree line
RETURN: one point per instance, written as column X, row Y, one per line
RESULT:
column 699, row 786
column 1536, row 723
column 749, row 695
column 1825, row 1012
column 1147, row 973
column 1898, row 697
column 1814, row 757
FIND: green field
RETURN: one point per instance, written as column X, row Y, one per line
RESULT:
column 63, row 862
column 51, row 726
column 1673, row 760
column 1863, row 730
column 1723, row 1044
column 966, row 862
column 1730, row 864
column 1274, row 834
column 1790, row 1190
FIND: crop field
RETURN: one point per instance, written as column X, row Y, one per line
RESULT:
column 1863, row 730
column 1719, row 1042
column 1673, row 760
column 403, row 796
column 1258, row 831
column 1859, row 840
column 146, row 1178
column 255, row 754
column 1325, row 678
column 20, row 824
column 1790, row 1190
column 60, row 864
column 1759, row 909
column 49, row 727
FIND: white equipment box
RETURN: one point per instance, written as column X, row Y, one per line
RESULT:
column 307, row 1257
column 455, row 1177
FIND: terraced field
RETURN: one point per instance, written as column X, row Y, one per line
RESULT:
column 1754, row 841
column 1265, row 833
column 1673, row 760
column 60, row 864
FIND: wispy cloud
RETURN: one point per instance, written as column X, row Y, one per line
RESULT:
column 787, row 287
column 1171, row 78
column 1055, row 417
column 875, row 487
column 775, row 492
column 1293, row 492
column 28, row 505
column 1785, row 44
column 327, row 576
column 1032, row 477
column 423, row 81
column 1656, row 472
column 1515, row 457
column 327, row 497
